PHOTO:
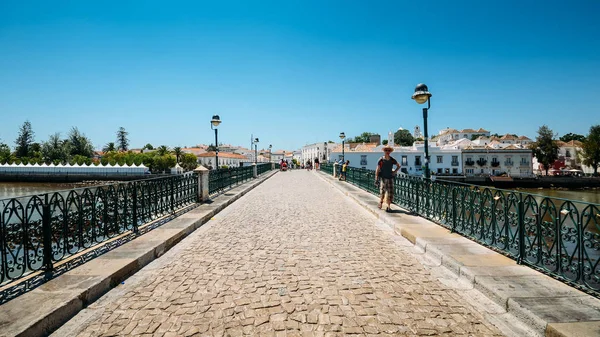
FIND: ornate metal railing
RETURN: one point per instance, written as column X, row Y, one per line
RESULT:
column 38, row 231
column 219, row 180
column 327, row 168
column 557, row 236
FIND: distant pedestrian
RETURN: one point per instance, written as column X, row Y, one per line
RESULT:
column 340, row 164
column 316, row 163
column 344, row 170
column 384, row 177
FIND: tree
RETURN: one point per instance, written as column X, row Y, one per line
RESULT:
column 403, row 137
column 55, row 150
column 572, row 136
column 79, row 144
column 591, row 149
column 189, row 161
column 109, row 147
column 364, row 137
column 476, row 135
column 162, row 150
column 211, row 147
column 24, row 140
column 384, row 142
column 4, row 153
column 148, row 146
column 545, row 148
column 122, row 141
column 177, row 152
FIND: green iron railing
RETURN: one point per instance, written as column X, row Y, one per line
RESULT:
column 219, row 180
column 559, row 237
column 38, row 231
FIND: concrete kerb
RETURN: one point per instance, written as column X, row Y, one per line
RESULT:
column 44, row 309
column 547, row 306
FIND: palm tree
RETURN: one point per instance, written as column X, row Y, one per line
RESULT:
column 162, row 150
column 177, row 152
column 109, row 147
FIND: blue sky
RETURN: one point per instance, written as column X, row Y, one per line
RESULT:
column 295, row 72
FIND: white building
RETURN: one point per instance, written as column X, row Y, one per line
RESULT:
column 489, row 160
column 448, row 135
column 317, row 150
column 225, row 159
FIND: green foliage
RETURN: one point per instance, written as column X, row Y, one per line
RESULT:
column 476, row 135
column 148, row 146
column 188, row 161
column 162, row 150
column 545, row 148
column 79, row 144
column 80, row 160
column 177, row 152
column 4, row 153
column 591, row 149
column 211, row 147
column 364, row 137
column 572, row 136
column 384, row 142
column 55, row 150
column 163, row 163
column 403, row 138
column 109, row 147
column 122, row 140
column 24, row 140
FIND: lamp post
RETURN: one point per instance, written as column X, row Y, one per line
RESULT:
column 421, row 96
column 342, row 136
column 255, row 150
column 270, row 153
column 214, row 123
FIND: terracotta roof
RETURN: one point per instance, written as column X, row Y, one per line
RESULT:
column 193, row 150
column 482, row 130
column 508, row 137
column 222, row 155
column 468, row 131
column 572, row 143
column 524, row 138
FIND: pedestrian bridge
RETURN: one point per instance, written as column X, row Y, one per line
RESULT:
column 301, row 253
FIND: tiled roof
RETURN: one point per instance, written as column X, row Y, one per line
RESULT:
column 468, row 131
column 482, row 130
column 572, row 143
column 222, row 155
column 524, row 138
column 508, row 137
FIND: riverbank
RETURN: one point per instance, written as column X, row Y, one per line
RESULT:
column 571, row 183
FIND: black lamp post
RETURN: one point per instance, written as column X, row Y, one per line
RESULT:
column 421, row 96
column 255, row 150
column 342, row 136
column 214, row 123
column 270, row 153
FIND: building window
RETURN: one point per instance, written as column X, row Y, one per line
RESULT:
column 470, row 171
column 417, row 160
column 404, row 161
column 363, row 159
column 439, row 171
column 568, row 155
column 440, row 159
column 454, row 171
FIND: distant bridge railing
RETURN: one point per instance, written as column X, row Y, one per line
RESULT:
column 38, row 231
column 219, row 180
column 559, row 237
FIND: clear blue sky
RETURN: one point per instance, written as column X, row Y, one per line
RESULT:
column 295, row 72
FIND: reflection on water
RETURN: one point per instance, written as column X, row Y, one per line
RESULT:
column 591, row 196
column 12, row 190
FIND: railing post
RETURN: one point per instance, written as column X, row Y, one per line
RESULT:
column 453, row 210
column 135, row 209
column 417, row 187
column 47, row 235
column 254, row 171
column 172, row 187
column 521, row 228
column 202, row 183
column 335, row 165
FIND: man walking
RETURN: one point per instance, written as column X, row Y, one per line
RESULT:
column 384, row 177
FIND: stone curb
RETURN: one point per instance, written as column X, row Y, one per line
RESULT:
column 44, row 309
column 547, row 306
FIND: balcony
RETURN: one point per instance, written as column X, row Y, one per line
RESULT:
column 524, row 164
column 481, row 162
column 495, row 163
column 469, row 162
column 508, row 163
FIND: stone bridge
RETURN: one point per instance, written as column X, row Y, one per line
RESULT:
column 301, row 254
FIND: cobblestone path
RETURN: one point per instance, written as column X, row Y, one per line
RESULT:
column 293, row 257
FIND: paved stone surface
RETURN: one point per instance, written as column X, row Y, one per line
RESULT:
column 293, row 257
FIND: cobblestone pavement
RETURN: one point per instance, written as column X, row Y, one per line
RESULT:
column 293, row 257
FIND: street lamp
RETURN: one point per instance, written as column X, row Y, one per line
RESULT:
column 421, row 96
column 342, row 136
column 214, row 123
column 270, row 153
column 255, row 150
